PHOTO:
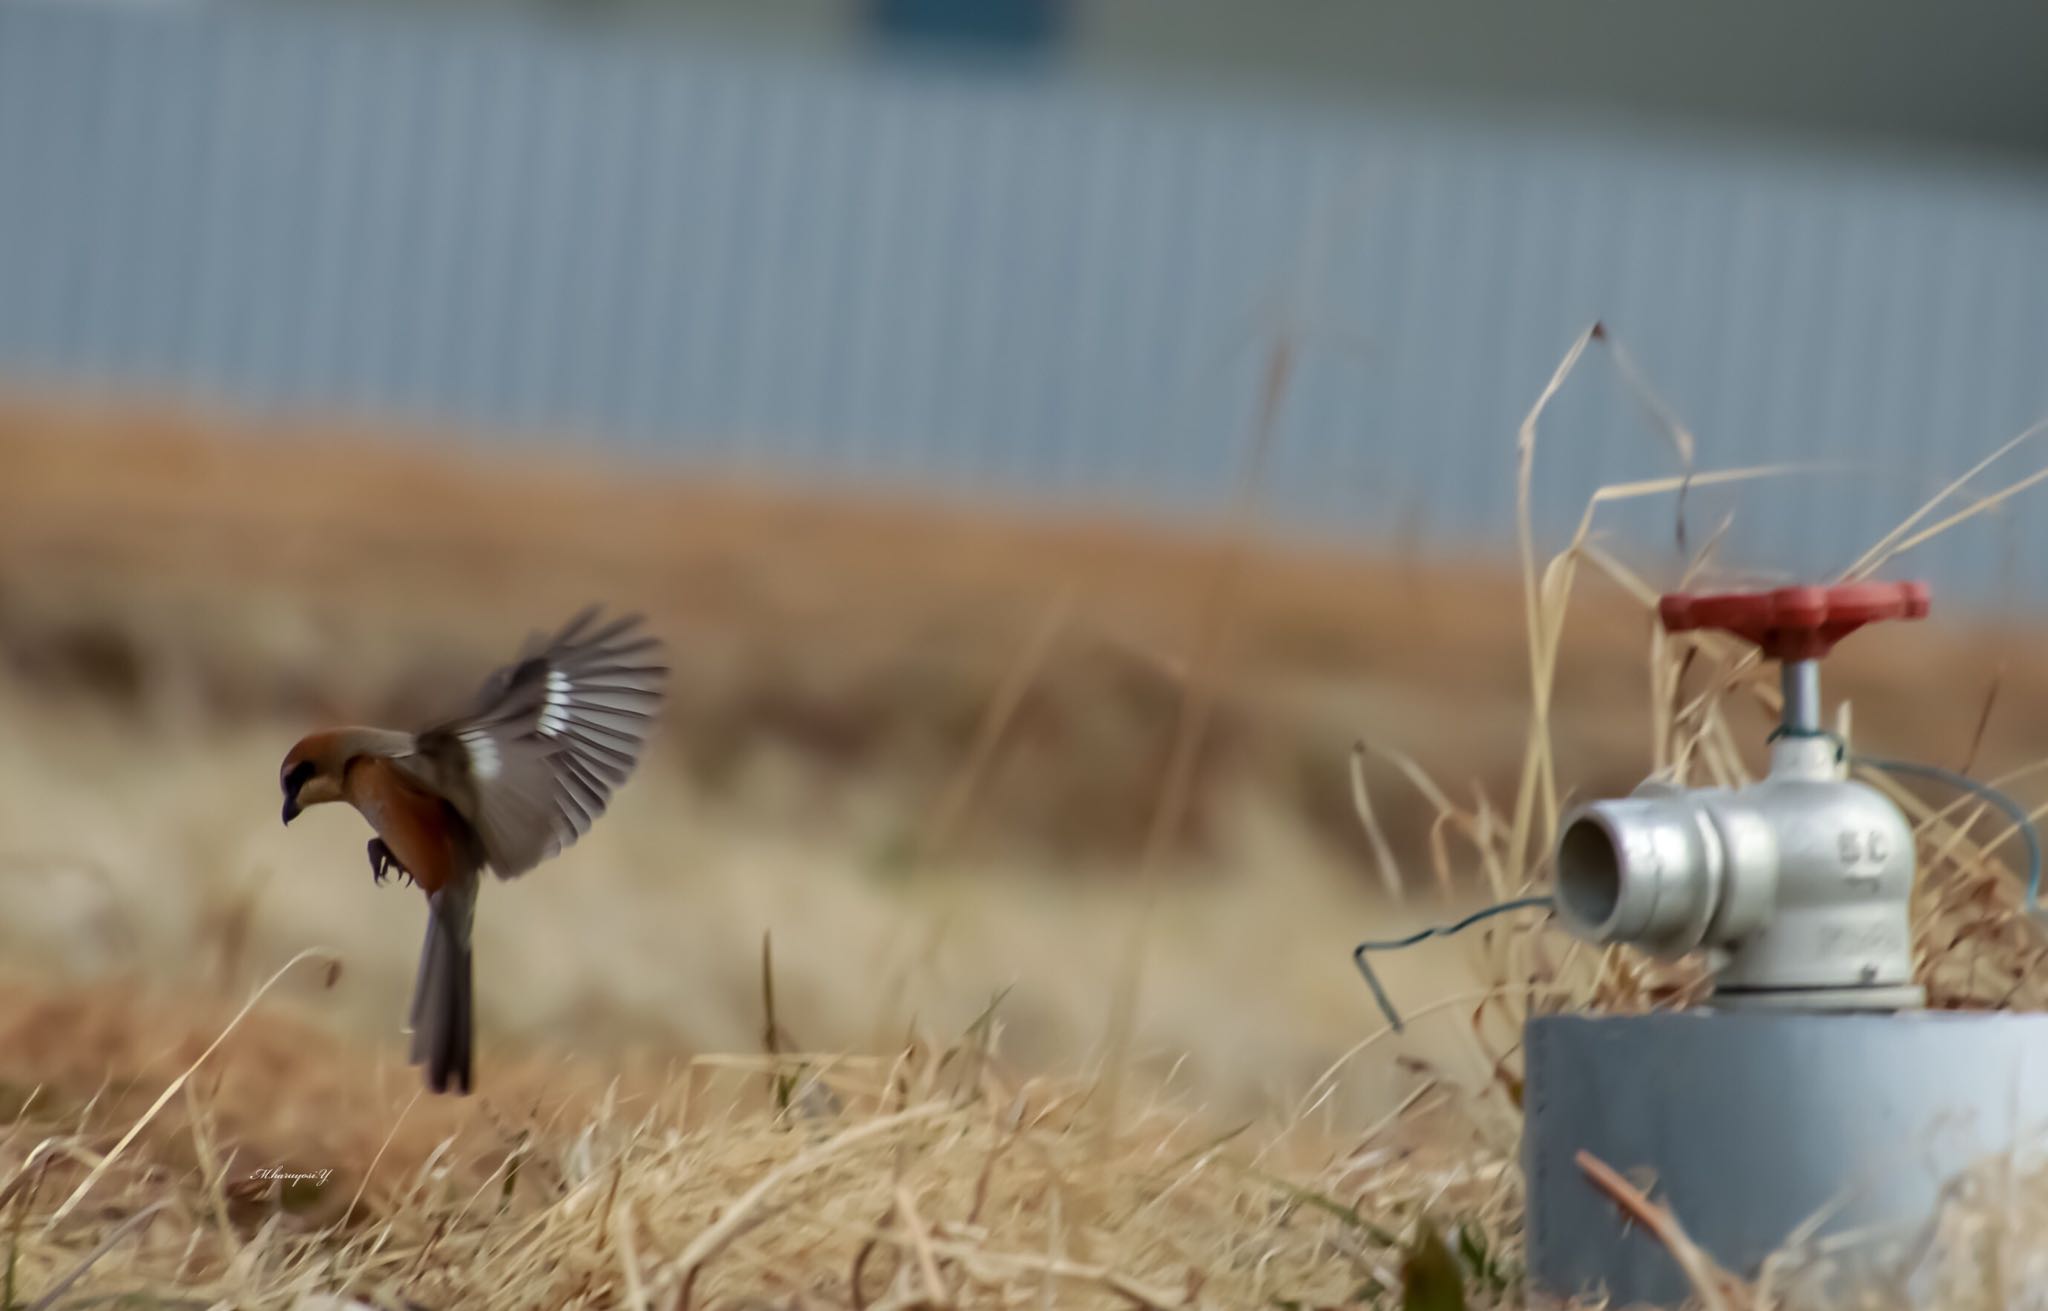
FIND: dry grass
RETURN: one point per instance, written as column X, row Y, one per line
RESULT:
column 936, row 1177
column 170, row 603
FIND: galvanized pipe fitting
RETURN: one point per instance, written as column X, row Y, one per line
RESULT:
column 1798, row 884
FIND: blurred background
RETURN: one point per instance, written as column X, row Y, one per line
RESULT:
column 904, row 361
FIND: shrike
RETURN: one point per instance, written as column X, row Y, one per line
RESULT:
column 506, row 786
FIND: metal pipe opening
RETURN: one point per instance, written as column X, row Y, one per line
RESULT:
column 1589, row 873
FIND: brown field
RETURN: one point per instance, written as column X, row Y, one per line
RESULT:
column 920, row 748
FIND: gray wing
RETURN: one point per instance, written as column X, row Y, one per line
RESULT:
column 550, row 738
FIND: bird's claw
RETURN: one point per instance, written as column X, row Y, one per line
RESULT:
column 382, row 863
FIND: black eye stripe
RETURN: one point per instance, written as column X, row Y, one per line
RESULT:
column 297, row 778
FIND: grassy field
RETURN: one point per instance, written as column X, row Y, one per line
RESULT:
column 916, row 748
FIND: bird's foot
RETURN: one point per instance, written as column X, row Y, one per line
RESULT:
column 383, row 863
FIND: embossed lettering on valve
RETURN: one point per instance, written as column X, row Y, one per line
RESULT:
column 1859, row 846
column 1864, row 854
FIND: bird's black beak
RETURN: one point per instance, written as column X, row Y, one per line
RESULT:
column 291, row 797
column 291, row 783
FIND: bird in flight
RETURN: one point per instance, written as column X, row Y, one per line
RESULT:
column 510, row 783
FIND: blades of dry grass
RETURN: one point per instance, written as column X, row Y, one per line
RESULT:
column 1985, row 504
column 1890, row 544
column 1382, row 850
column 85, row 1186
column 1539, row 782
column 106, row 1245
column 742, row 1213
column 1983, row 729
column 1546, row 592
column 1054, row 1269
column 210, row 1171
column 1716, row 1289
column 1682, row 442
column 629, row 1258
column 921, row 1243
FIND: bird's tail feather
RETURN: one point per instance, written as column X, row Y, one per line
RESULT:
column 443, row 1029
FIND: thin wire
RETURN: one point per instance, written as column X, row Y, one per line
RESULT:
column 2013, row 810
column 1379, row 994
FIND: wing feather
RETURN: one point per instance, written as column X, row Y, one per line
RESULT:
column 550, row 737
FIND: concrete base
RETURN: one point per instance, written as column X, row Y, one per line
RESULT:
column 1748, row 1124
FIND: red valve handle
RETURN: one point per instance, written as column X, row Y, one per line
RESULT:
column 1796, row 623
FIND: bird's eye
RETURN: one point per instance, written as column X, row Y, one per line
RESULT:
column 296, row 779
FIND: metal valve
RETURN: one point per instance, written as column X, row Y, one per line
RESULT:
column 1800, row 882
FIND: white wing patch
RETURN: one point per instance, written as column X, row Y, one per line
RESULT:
column 484, row 761
column 554, row 711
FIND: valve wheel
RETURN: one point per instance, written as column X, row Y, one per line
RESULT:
column 1795, row 623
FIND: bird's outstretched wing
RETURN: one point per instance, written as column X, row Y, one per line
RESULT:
column 550, row 737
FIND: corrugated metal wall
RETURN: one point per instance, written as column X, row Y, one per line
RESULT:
column 1027, row 284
